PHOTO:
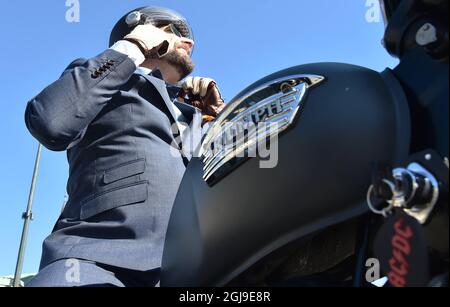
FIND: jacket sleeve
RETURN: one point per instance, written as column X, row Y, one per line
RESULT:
column 58, row 115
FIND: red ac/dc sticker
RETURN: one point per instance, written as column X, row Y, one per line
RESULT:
column 401, row 248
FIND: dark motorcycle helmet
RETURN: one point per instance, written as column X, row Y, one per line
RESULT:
column 388, row 7
column 157, row 16
column 392, row 7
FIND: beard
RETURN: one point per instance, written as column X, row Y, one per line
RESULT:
column 182, row 63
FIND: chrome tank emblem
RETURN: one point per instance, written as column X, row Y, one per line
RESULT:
column 275, row 106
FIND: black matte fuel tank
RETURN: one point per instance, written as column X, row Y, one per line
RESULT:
column 353, row 118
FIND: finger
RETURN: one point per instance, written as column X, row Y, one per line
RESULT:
column 188, row 84
column 196, row 85
column 169, row 46
column 148, row 35
column 205, row 82
column 162, row 49
column 207, row 119
column 181, row 95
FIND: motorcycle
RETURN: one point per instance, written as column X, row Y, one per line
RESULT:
column 359, row 153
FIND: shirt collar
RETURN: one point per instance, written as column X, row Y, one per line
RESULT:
column 143, row 70
column 147, row 71
column 172, row 89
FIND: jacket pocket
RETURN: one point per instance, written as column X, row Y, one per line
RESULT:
column 114, row 198
column 123, row 171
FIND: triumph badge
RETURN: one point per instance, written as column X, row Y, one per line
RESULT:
column 253, row 117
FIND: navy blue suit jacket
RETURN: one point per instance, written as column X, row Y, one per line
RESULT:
column 124, row 171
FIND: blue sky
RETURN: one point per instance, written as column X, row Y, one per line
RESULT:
column 237, row 43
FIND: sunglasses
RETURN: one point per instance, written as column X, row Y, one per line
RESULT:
column 170, row 28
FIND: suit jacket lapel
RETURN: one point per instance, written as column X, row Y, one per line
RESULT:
column 192, row 115
column 160, row 85
column 192, row 139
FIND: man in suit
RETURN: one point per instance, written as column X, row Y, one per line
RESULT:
column 129, row 137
